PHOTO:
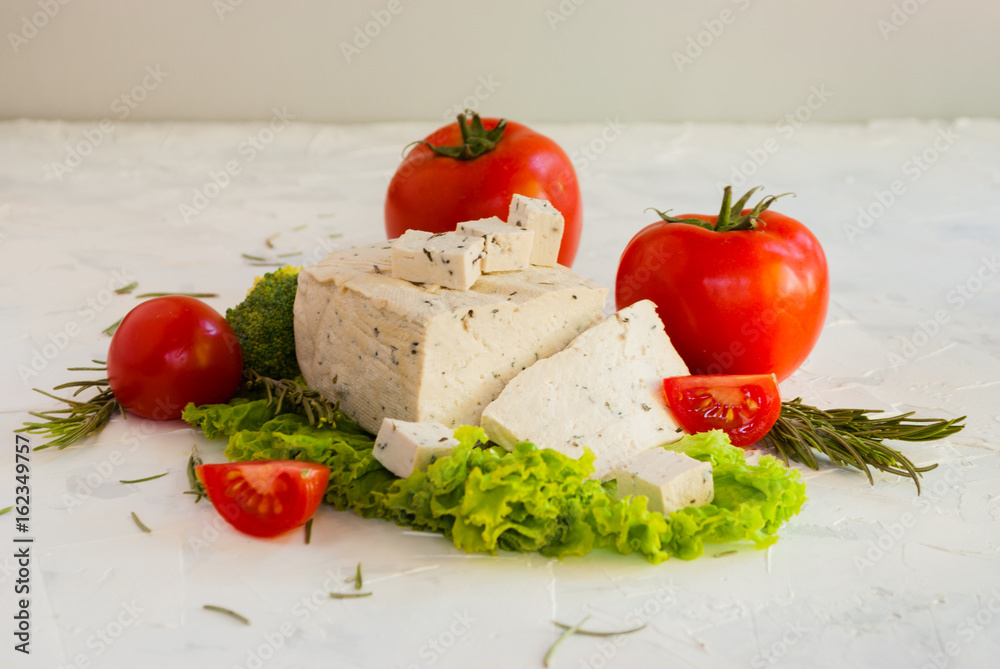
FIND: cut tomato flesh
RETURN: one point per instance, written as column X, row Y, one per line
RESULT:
column 745, row 407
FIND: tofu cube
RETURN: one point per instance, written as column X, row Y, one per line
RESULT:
column 545, row 221
column 670, row 480
column 604, row 392
column 508, row 247
column 403, row 447
column 447, row 259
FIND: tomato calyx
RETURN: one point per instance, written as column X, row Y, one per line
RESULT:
column 731, row 217
column 476, row 139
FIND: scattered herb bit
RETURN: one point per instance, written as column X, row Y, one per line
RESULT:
column 254, row 258
column 125, row 290
column 196, row 488
column 349, row 595
column 316, row 408
column 569, row 631
column 850, row 438
column 269, row 242
column 328, row 215
column 584, row 632
column 140, row 524
column 110, row 330
column 228, row 612
column 724, row 553
column 81, row 418
column 309, row 531
column 7, row 510
column 289, row 254
column 299, row 227
column 358, row 582
column 198, row 295
column 148, row 478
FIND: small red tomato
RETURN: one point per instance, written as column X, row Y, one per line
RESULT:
column 265, row 498
column 744, row 292
column 172, row 350
column 744, row 407
column 463, row 173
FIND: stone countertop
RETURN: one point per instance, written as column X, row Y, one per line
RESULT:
column 865, row 576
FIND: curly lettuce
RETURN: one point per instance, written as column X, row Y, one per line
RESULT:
column 485, row 499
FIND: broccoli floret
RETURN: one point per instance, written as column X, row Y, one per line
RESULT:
column 263, row 323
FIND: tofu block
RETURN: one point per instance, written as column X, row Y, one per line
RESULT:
column 403, row 447
column 604, row 392
column 545, row 221
column 508, row 248
column 384, row 347
column 670, row 480
column 447, row 259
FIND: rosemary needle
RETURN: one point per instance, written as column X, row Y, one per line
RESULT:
column 228, row 612
column 357, row 578
column 309, row 530
column 349, row 595
column 200, row 295
column 110, row 330
column 148, row 478
column 125, row 290
column 254, row 258
column 140, row 524
column 7, row 510
column 568, row 632
column 584, row 632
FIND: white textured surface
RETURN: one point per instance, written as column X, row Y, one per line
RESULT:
column 930, row 597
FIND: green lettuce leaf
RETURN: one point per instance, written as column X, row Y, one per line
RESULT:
column 485, row 499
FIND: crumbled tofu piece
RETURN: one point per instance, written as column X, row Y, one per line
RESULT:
column 670, row 480
column 447, row 259
column 508, row 247
column 403, row 447
column 384, row 347
column 604, row 392
column 545, row 221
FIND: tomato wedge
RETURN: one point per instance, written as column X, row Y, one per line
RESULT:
column 744, row 406
column 265, row 498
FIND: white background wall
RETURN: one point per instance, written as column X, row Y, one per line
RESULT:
column 553, row 60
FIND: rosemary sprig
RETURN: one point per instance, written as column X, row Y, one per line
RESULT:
column 79, row 418
column 318, row 409
column 567, row 632
column 850, row 438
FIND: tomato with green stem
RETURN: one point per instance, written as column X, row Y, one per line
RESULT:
column 743, row 292
column 745, row 407
column 265, row 498
column 471, row 169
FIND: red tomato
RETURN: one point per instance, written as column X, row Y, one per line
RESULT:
column 172, row 350
column 744, row 407
column 744, row 301
column 436, row 192
column 265, row 498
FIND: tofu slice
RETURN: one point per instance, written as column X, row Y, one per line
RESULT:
column 604, row 391
column 670, row 480
column 404, row 447
column 508, row 248
column 545, row 221
column 447, row 259
column 384, row 347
